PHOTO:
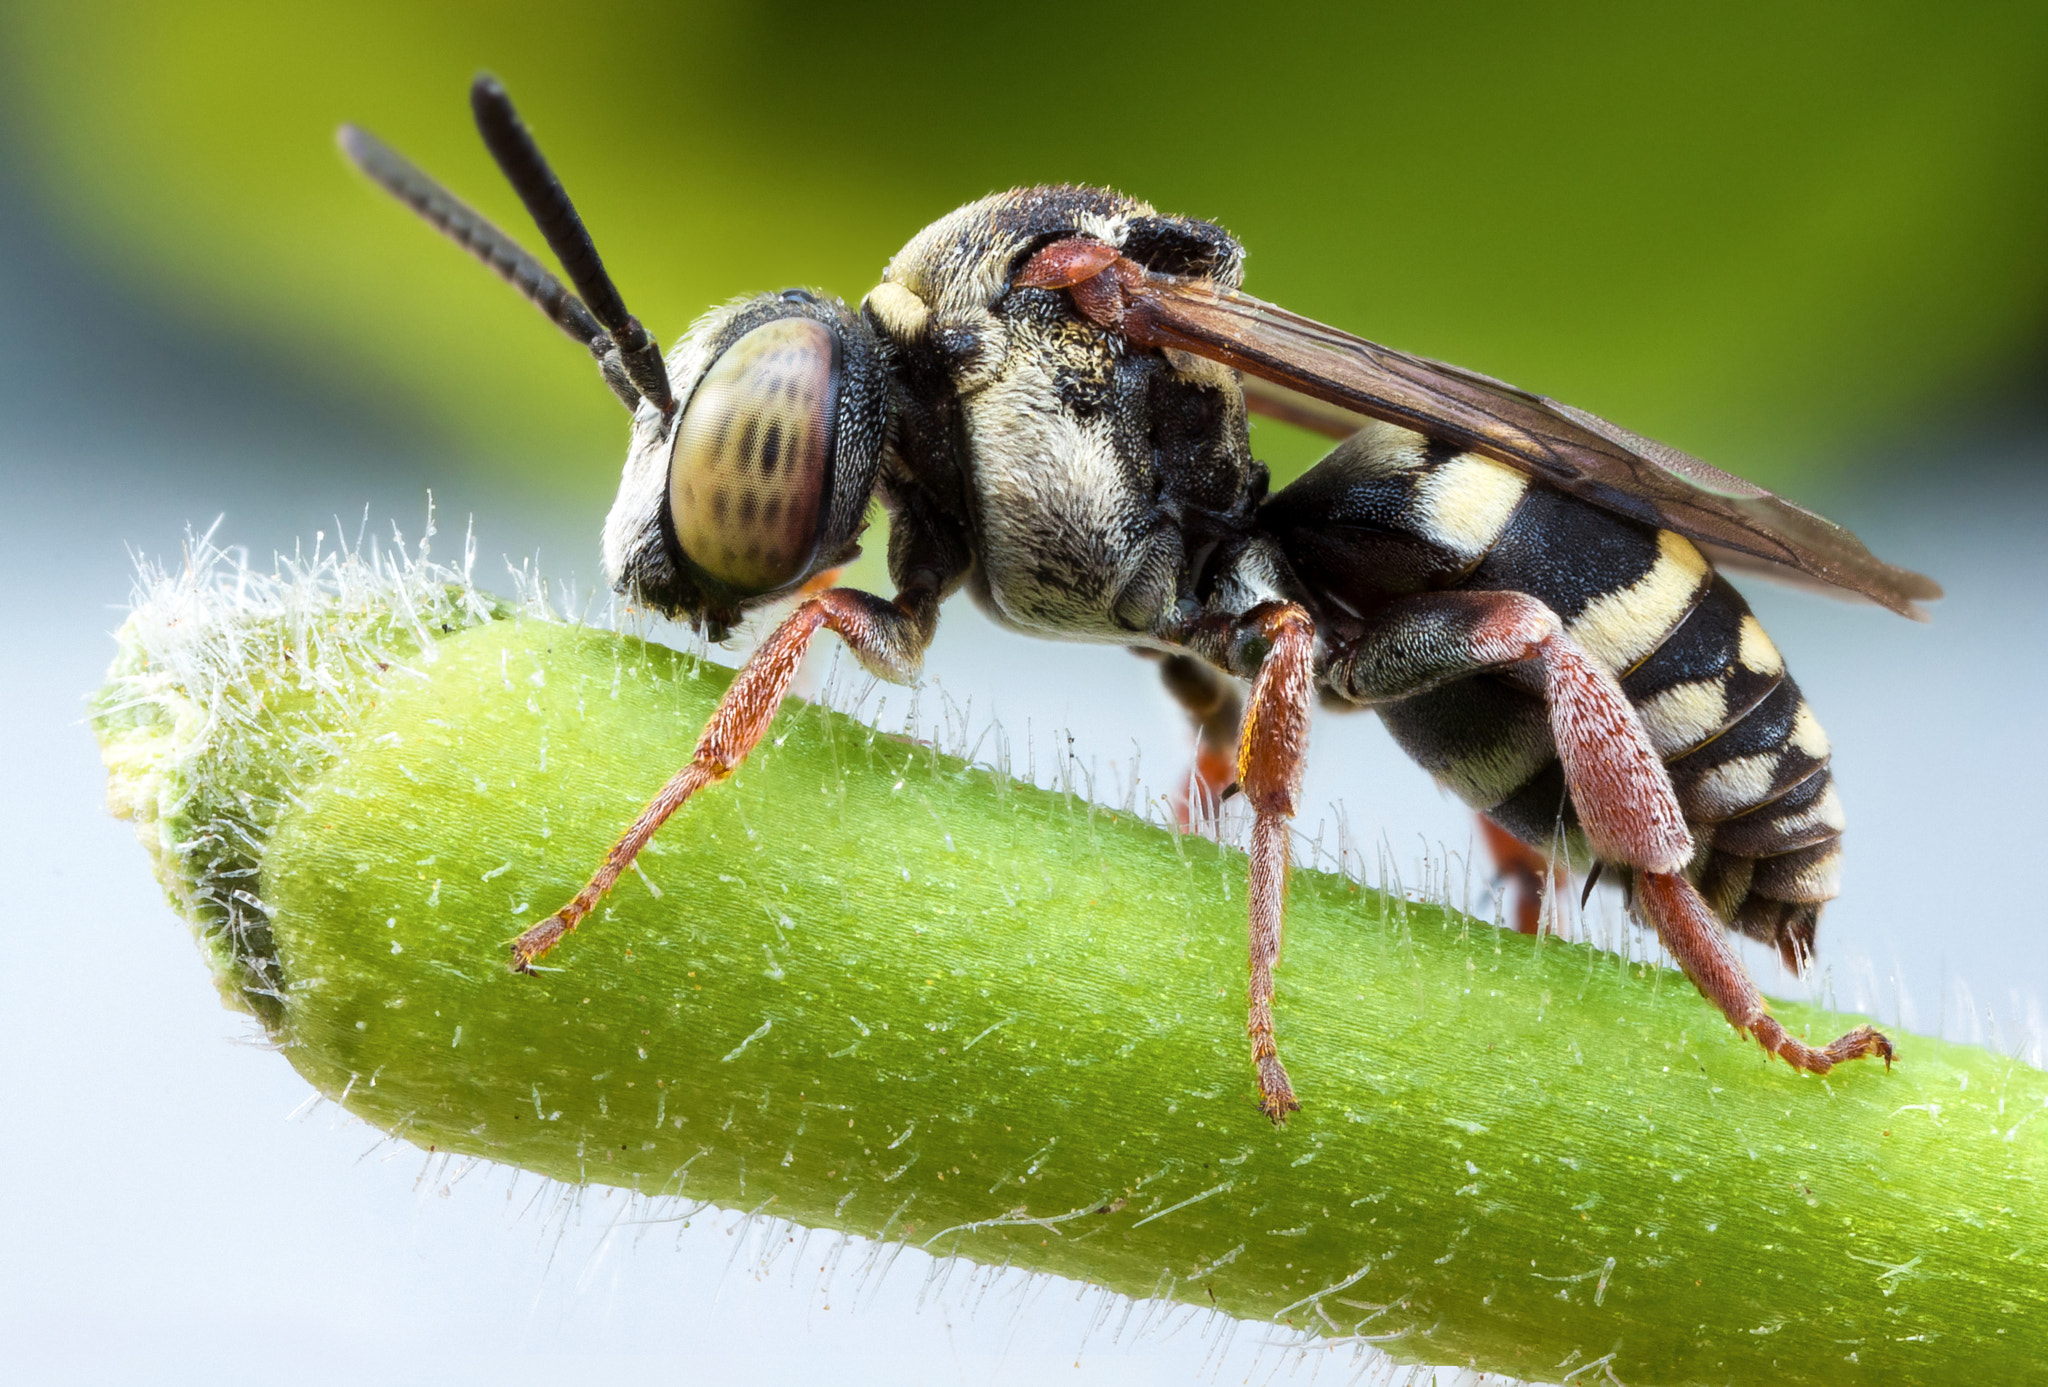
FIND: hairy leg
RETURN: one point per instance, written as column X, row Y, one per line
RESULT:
column 1618, row 784
column 888, row 637
column 1271, row 749
column 1700, row 944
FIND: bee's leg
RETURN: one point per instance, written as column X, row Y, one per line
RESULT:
column 1216, row 708
column 1618, row 785
column 1278, row 640
column 1699, row 943
column 1525, row 869
column 888, row 637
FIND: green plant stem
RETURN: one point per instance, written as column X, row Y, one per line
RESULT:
column 866, row 987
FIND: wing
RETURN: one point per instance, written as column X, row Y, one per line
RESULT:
column 1574, row 451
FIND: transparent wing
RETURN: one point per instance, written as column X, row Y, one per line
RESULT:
column 1577, row 452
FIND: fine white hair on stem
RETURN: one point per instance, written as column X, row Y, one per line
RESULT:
column 209, row 707
column 216, row 647
column 206, row 718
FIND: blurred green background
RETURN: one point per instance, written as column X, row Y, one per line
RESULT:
column 1775, row 235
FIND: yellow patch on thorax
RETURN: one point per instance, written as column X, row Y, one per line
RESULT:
column 901, row 312
column 1619, row 629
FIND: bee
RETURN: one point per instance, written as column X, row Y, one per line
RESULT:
column 1048, row 394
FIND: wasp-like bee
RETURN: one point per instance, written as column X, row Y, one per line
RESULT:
column 1048, row 394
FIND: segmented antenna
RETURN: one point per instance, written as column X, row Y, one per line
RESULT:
column 465, row 226
column 512, row 146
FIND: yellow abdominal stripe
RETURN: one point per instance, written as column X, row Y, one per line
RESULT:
column 1808, row 735
column 1682, row 718
column 1736, row 786
column 1465, row 504
column 1620, row 628
column 1755, row 650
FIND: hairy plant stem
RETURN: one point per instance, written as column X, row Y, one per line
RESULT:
column 867, row 987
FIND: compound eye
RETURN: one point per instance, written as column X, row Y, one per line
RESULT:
column 753, row 456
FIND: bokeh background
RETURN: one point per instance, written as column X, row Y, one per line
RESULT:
column 1804, row 241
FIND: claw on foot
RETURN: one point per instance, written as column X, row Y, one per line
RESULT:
column 1864, row 1040
column 1858, row 1044
column 1276, row 1094
column 537, row 941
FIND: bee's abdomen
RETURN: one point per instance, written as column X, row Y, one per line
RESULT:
column 1747, row 758
column 1750, row 764
column 1389, row 512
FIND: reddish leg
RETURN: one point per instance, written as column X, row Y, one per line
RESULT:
column 1525, row 869
column 1618, row 785
column 888, row 637
column 1699, row 943
column 1270, row 754
column 1216, row 708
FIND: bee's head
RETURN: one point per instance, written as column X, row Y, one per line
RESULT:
column 761, row 478
column 755, row 444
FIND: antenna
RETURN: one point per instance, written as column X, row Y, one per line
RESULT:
column 465, row 226
column 511, row 144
